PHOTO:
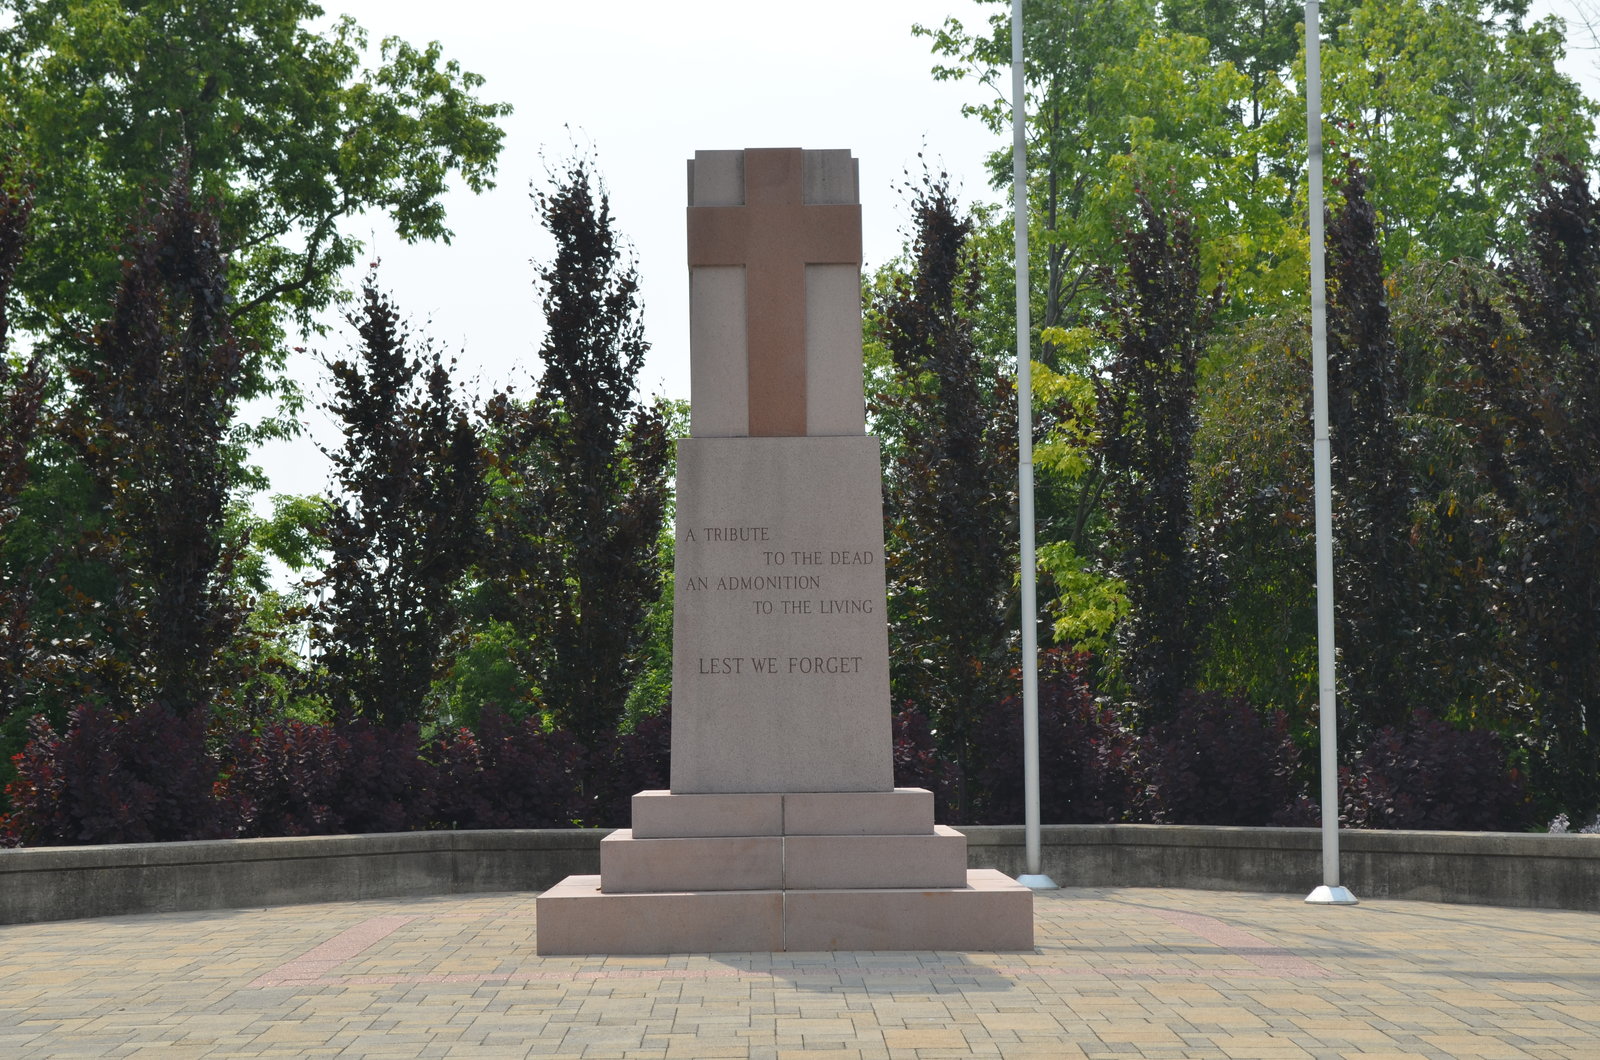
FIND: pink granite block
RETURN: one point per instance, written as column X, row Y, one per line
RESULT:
column 993, row 912
column 663, row 815
column 793, row 701
column 576, row 917
column 935, row 859
column 728, row 863
column 903, row 811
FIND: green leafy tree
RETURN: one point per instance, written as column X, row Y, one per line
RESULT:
column 948, row 489
column 1456, row 99
column 1253, row 512
column 1088, row 602
column 1159, row 321
column 575, row 523
column 266, row 661
column 403, row 530
column 1116, row 99
column 1064, row 46
column 16, row 206
column 1448, row 104
column 651, row 695
column 287, row 133
column 1258, row 37
column 1122, row 93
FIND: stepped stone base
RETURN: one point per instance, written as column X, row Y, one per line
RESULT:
column 991, row 912
column 576, row 917
column 630, row 865
column 665, row 815
column 767, row 871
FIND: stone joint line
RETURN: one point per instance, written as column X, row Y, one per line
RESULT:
column 1014, row 973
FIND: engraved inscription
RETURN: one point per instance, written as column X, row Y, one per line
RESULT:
column 808, row 582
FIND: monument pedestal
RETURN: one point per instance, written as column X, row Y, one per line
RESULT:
column 808, row 871
column 783, row 830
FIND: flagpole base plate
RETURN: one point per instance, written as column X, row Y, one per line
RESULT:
column 1331, row 896
column 1037, row 882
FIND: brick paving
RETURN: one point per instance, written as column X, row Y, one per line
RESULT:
column 1118, row 973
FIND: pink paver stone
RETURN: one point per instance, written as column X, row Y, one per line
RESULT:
column 322, row 959
column 1241, row 943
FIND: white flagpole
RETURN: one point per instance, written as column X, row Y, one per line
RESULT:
column 1034, row 877
column 1330, row 893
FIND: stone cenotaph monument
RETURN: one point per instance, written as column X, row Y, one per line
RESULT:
column 783, row 829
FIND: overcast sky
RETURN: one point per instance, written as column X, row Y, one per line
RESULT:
column 641, row 85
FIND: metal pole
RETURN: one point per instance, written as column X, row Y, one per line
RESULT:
column 1034, row 877
column 1330, row 893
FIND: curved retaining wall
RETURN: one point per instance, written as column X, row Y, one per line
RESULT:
column 1490, row 868
column 1484, row 868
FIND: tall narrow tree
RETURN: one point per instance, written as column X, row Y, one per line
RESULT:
column 574, row 561
column 404, row 527
column 21, row 393
column 1147, row 418
column 948, row 490
column 158, row 397
column 1377, row 592
column 1538, row 420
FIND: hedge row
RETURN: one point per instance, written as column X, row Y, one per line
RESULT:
column 1220, row 762
column 157, row 776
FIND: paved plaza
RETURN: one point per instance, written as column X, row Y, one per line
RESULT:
column 1117, row 973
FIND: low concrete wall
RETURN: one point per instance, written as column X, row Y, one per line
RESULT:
column 1485, row 868
column 63, row 883
column 1490, row 868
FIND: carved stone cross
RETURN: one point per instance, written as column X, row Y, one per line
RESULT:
column 774, row 235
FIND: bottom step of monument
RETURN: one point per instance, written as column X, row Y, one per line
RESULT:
column 992, row 912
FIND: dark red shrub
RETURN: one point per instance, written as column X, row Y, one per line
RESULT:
column 1432, row 775
column 386, row 785
column 507, row 775
column 1222, row 761
column 284, row 779
column 640, row 760
column 300, row 779
column 144, row 778
column 1087, row 758
column 916, row 759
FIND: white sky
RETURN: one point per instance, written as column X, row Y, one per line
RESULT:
column 645, row 83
